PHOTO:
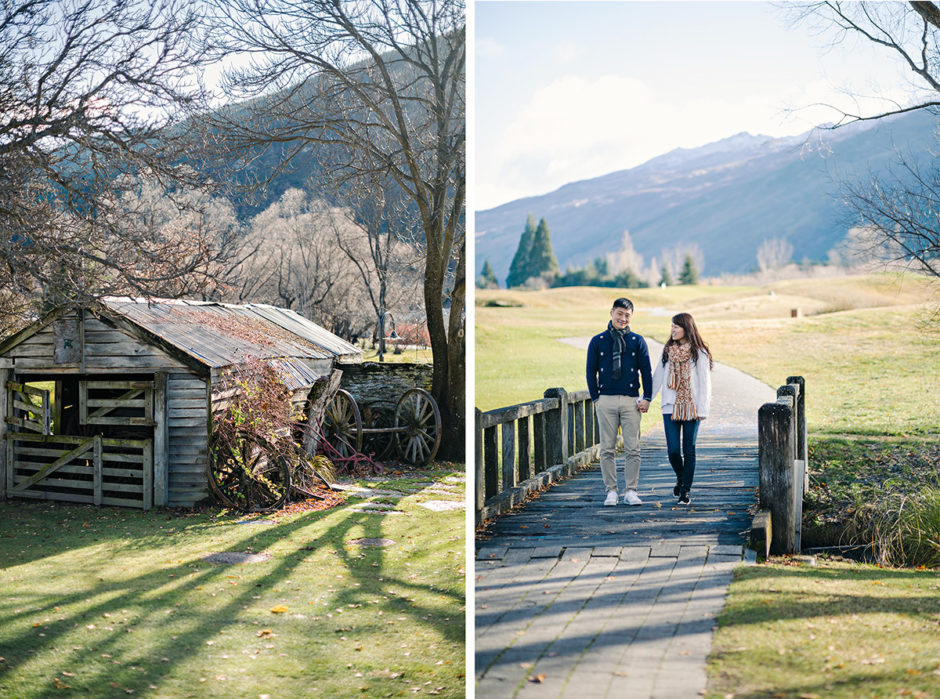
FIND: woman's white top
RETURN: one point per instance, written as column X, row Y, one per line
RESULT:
column 701, row 384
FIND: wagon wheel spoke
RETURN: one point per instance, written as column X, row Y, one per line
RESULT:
column 244, row 476
column 419, row 426
column 343, row 424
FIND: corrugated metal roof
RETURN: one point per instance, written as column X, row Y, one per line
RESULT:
column 220, row 334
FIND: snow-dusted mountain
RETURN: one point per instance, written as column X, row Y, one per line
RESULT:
column 726, row 196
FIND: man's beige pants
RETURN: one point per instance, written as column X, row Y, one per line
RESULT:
column 613, row 412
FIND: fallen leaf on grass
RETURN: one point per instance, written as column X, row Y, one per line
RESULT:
column 68, row 674
column 279, row 609
column 58, row 684
column 265, row 633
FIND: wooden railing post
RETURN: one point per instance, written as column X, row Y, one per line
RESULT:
column 490, row 461
column 480, row 489
column 778, row 489
column 525, row 447
column 791, row 392
column 556, row 427
column 802, row 446
column 510, row 468
column 538, row 430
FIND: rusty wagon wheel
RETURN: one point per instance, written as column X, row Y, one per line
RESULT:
column 246, row 474
column 342, row 424
column 418, row 427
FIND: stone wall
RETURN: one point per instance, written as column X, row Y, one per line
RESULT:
column 378, row 382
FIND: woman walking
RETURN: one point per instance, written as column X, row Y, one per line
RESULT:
column 684, row 375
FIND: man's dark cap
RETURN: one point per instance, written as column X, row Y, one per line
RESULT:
column 623, row 303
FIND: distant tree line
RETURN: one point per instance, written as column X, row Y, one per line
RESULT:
column 534, row 265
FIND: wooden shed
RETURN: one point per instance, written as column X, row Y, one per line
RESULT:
column 112, row 404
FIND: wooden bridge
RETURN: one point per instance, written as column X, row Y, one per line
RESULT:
column 581, row 600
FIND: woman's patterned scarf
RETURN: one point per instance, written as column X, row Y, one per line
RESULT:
column 680, row 380
column 620, row 346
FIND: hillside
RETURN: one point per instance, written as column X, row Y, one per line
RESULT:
column 727, row 197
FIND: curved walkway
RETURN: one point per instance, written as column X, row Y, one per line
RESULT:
column 574, row 599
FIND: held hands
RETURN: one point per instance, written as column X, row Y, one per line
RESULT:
column 643, row 405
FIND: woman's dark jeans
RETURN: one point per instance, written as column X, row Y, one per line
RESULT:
column 682, row 460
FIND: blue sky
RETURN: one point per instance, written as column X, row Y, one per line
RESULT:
column 565, row 91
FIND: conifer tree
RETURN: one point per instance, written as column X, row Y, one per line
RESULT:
column 542, row 261
column 519, row 267
column 487, row 278
column 665, row 276
column 689, row 274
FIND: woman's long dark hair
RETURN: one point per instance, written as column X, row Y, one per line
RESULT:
column 687, row 323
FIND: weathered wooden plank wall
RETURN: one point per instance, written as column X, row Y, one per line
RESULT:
column 187, row 439
column 107, row 350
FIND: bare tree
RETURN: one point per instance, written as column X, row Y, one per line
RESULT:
column 87, row 90
column 295, row 264
column 381, row 81
column 905, row 211
column 388, row 221
column 908, row 31
column 774, row 253
column 626, row 259
column 903, row 207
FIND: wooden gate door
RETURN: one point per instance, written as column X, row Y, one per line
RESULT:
column 96, row 470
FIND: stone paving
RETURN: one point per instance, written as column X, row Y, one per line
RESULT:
column 574, row 599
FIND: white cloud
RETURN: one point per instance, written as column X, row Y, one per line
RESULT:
column 488, row 48
column 576, row 128
column 567, row 51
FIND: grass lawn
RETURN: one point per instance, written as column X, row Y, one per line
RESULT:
column 835, row 630
column 113, row 602
column 865, row 359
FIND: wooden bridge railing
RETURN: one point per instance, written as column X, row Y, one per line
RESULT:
column 783, row 473
column 523, row 447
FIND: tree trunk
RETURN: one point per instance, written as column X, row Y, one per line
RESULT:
column 453, row 441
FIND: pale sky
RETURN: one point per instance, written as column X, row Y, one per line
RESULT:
column 569, row 90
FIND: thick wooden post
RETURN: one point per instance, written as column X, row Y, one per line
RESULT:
column 792, row 392
column 556, row 427
column 160, row 440
column 96, row 477
column 480, row 489
column 778, row 491
column 802, row 446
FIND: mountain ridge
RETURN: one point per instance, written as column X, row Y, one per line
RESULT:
column 726, row 197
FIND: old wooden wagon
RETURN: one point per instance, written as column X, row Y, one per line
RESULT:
column 112, row 404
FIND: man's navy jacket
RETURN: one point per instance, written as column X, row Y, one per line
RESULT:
column 634, row 363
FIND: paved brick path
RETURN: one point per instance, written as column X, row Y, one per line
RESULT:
column 574, row 599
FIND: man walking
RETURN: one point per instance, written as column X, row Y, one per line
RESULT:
column 616, row 361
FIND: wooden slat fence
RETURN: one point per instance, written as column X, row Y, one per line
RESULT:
column 523, row 447
column 92, row 470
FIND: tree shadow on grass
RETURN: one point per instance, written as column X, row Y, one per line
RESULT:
column 112, row 663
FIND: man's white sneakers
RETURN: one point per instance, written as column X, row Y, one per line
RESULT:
column 631, row 498
column 611, row 498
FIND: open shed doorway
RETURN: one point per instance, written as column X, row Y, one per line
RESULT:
column 81, row 438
